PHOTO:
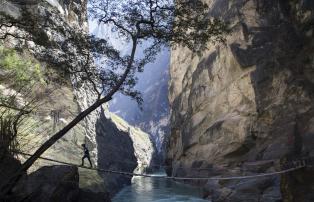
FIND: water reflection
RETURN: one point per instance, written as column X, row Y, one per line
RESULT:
column 158, row 190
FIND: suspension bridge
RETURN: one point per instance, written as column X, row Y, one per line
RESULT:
column 292, row 166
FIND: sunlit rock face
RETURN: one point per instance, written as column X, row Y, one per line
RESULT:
column 248, row 104
column 64, row 97
column 153, row 118
column 121, row 147
column 59, row 102
column 60, row 99
column 74, row 11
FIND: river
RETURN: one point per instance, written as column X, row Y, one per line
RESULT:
column 158, row 190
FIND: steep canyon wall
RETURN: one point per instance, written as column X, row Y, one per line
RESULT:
column 246, row 106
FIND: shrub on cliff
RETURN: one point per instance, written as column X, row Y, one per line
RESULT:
column 22, row 70
column 18, row 74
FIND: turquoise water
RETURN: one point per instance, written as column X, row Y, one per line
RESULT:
column 158, row 190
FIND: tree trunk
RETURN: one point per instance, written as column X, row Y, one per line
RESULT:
column 7, row 187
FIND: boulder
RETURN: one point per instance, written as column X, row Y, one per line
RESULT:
column 50, row 183
column 55, row 183
column 251, row 190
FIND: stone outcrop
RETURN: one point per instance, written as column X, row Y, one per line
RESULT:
column 55, row 183
column 246, row 106
column 124, row 147
column 154, row 116
column 45, row 31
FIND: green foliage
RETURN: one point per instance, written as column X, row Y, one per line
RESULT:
column 20, row 69
column 8, row 133
column 20, row 74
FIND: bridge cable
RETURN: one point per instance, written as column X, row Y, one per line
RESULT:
column 301, row 165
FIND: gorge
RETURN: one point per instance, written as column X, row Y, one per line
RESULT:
column 244, row 107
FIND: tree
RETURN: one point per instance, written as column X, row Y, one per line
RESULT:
column 162, row 22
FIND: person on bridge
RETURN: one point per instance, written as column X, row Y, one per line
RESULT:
column 86, row 155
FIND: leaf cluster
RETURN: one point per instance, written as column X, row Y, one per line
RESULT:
column 184, row 22
column 23, row 71
column 163, row 23
column 19, row 74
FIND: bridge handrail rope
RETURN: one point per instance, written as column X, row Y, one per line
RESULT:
column 151, row 165
column 300, row 165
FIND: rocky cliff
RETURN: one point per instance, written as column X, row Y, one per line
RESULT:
column 44, row 31
column 246, row 106
column 153, row 118
column 123, row 147
column 55, row 183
